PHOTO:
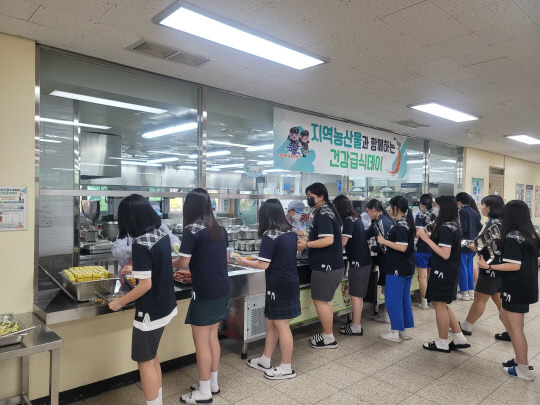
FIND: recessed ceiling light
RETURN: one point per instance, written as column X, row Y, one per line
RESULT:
column 274, row 170
column 159, row 152
column 105, row 101
column 228, row 166
column 260, row 147
column 170, row 130
column 448, row 160
column 72, row 123
column 47, row 140
column 210, row 142
column 529, row 140
column 200, row 23
column 415, row 161
column 212, row 154
column 187, row 167
column 443, row 112
column 138, row 163
column 265, row 162
column 163, row 160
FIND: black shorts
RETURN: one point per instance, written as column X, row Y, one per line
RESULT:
column 515, row 307
column 488, row 285
column 325, row 283
column 144, row 344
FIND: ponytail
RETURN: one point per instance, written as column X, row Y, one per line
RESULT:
column 402, row 205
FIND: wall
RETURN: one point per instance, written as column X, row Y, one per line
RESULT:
column 520, row 171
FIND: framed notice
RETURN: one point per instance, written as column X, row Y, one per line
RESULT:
column 520, row 191
column 12, row 208
column 529, row 194
column 477, row 190
column 537, row 201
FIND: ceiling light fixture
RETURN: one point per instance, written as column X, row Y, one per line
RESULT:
column 225, row 143
column 442, row 111
column 228, row 166
column 449, row 160
column 187, row 167
column 260, row 147
column 105, row 101
column 170, row 130
column 167, row 153
column 529, row 140
column 138, row 163
column 47, row 140
column 200, row 23
column 265, row 162
column 212, row 154
column 72, row 123
column 274, row 171
column 163, row 160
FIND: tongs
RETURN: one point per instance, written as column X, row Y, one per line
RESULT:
column 24, row 331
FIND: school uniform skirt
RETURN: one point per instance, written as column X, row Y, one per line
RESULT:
column 203, row 312
column 284, row 308
column 442, row 289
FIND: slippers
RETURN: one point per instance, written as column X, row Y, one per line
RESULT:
column 503, row 336
column 433, row 347
column 195, row 387
column 465, row 332
column 347, row 330
column 453, row 346
column 255, row 364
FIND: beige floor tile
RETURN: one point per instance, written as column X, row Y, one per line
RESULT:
column 368, row 363
column 468, row 381
column 485, row 368
column 176, row 383
column 337, row 375
column 83, row 402
column 237, row 386
column 217, row 400
column 308, row 359
column 511, row 393
column 444, row 394
column 480, row 338
column 416, row 400
column 530, row 385
column 342, row 398
column 306, row 389
column 403, row 378
column 389, row 352
column 422, row 366
column 267, row 396
column 259, row 375
column 494, row 355
column 490, row 401
column 376, row 391
column 129, row 395
column 454, row 358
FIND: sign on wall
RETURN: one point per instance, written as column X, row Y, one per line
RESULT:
column 529, row 193
column 519, row 191
column 477, row 190
column 306, row 143
column 12, row 208
column 537, row 211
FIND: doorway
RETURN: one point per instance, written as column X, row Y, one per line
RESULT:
column 496, row 181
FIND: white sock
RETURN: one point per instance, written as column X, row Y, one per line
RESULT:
column 424, row 302
column 154, row 401
column 160, row 395
column 523, row 369
column 356, row 328
column 464, row 293
column 285, row 368
column 471, row 293
column 460, row 339
column 442, row 343
column 264, row 361
column 466, row 326
column 328, row 338
column 394, row 333
column 403, row 333
column 204, row 389
column 213, row 381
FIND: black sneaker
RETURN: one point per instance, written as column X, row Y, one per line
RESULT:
column 512, row 363
column 503, row 336
column 317, row 342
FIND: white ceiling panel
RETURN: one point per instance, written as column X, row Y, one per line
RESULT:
column 458, row 7
column 90, row 10
column 442, row 70
column 406, row 48
column 531, row 8
column 524, row 52
column 20, row 9
column 467, row 49
column 426, row 22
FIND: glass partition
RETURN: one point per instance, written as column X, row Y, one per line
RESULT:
column 444, row 168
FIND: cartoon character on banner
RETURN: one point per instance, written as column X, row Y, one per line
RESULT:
column 293, row 145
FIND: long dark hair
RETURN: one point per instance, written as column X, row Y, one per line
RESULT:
column 344, row 207
column 427, row 201
column 375, row 204
column 402, row 205
column 198, row 206
column 272, row 217
column 448, row 212
column 319, row 189
column 466, row 199
column 136, row 217
column 516, row 217
column 495, row 204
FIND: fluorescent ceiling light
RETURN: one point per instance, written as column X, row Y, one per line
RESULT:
column 529, row 140
column 444, row 112
column 47, row 140
column 97, row 164
column 448, row 160
column 211, row 169
column 137, row 163
column 227, row 144
column 72, row 123
column 274, row 170
column 163, row 160
column 105, row 101
column 211, row 154
column 265, row 162
column 228, row 166
column 412, row 162
column 238, row 171
column 187, row 167
column 167, row 153
column 195, row 23
column 260, row 147
column 170, row 130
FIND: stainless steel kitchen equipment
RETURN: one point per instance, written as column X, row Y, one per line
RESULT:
column 109, row 229
column 14, row 337
column 86, row 290
column 101, row 246
column 246, row 233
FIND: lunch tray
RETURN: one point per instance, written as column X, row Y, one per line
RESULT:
column 11, row 339
column 86, row 290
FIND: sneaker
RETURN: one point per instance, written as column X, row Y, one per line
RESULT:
column 277, row 374
column 513, row 372
column 195, row 387
column 512, row 363
column 421, row 306
column 384, row 318
column 317, row 342
column 404, row 335
column 255, row 363
column 391, row 336
column 463, row 296
column 503, row 336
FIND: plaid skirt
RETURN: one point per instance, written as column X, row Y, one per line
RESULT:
column 207, row 312
column 441, row 290
column 286, row 308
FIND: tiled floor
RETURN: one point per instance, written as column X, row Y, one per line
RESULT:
column 368, row 370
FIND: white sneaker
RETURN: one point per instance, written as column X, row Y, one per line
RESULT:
column 391, row 336
column 471, row 294
column 404, row 335
column 421, row 306
column 384, row 318
column 463, row 296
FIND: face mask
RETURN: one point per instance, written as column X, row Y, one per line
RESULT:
column 311, row 201
column 435, row 211
column 297, row 216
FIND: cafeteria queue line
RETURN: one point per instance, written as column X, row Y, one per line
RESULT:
column 511, row 261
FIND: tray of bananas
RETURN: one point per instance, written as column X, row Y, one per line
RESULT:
column 85, row 282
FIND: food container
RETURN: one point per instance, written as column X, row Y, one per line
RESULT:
column 229, row 222
column 177, row 229
column 240, row 245
column 246, row 233
column 86, row 290
column 232, row 234
column 254, row 226
column 11, row 339
column 109, row 229
column 257, row 245
column 249, row 246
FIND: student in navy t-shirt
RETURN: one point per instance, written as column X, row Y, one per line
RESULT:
column 445, row 242
column 519, row 286
column 399, row 269
column 155, row 302
column 282, row 302
column 353, row 239
column 204, row 250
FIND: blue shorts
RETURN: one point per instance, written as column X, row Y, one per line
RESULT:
column 422, row 260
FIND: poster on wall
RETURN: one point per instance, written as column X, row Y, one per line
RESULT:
column 12, row 208
column 477, row 190
column 306, row 143
column 529, row 192
column 519, row 191
column 537, row 211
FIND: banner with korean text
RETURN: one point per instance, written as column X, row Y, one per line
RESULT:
column 306, row 143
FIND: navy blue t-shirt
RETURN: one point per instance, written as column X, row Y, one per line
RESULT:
column 325, row 223
column 279, row 249
column 470, row 225
column 421, row 220
column 449, row 236
column 400, row 263
column 208, row 264
column 519, row 286
column 151, row 254
column 357, row 248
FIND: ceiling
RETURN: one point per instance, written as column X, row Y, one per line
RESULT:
column 479, row 56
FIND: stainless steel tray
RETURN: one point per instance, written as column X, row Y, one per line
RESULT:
column 86, row 290
column 11, row 339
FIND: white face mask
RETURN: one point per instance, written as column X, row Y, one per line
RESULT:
column 297, row 216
